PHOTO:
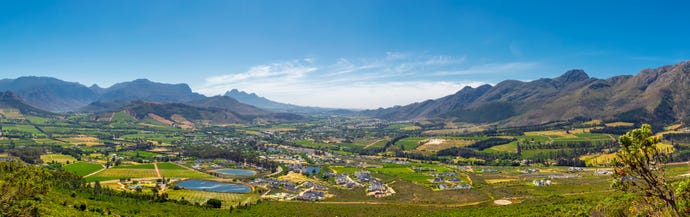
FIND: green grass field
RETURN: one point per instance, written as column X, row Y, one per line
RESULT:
column 143, row 154
column 122, row 117
column 37, row 120
column 171, row 170
column 410, row 143
column 23, row 128
column 118, row 173
column 166, row 169
column 83, row 168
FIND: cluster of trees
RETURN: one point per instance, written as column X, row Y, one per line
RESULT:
column 617, row 130
column 594, row 146
column 21, row 187
column 213, row 152
column 27, row 154
column 491, row 158
column 677, row 137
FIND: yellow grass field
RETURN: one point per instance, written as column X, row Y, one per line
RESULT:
column 593, row 122
column 82, row 139
column 494, row 181
column 58, row 158
column 597, row 159
column 11, row 114
column 619, row 124
column 444, row 144
column 297, row 178
column 559, row 133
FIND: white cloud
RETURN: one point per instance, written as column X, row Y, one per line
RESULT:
column 396, row 79
column 290, row 69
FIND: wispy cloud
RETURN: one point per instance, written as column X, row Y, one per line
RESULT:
column 394, row 79
column 292, row 69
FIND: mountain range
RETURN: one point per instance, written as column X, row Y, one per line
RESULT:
column 262, row 102
column 658, row 96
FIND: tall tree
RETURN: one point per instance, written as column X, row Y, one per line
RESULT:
column 639, row 168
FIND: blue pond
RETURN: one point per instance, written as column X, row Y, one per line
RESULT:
column 204, row 185
column 237, row 172
column 313, row 170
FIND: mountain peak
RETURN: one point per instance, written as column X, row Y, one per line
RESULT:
column 574, row 75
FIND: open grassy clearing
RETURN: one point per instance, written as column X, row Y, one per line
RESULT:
column 11, row 113
column 620, row 124
column 379, row 144
column 551, row 134
column 510, row 147
column 37, row 120
column 82, row 168
column 137, row 166
column 143, row 154
column 22, row 128
column 404, row 127
column 58, row 158
column 440, row 144
column 122, row 116
column 410, row 143
column 228, row 199
column 171, row 170
column 47, row 141
column 82, row 140
column 297, row 178
column 349, row 170
column 598, row 159
column 118, row 173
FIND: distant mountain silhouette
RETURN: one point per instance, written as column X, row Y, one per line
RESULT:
column 143, row 89
column 659, row 96
column 267, row 104
column 49, row 94
column 9, row 100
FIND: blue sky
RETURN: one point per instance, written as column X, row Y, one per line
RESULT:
column 349, row 54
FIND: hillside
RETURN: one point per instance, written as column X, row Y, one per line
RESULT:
column 143, row 109
column 143, row 89
column 9, row 100
column 229, row 104
column 49, row 93
column 656, row 95
column 267, row 104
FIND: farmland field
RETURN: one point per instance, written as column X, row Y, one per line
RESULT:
column 83, row 168
column 410, row 143
column 118, row 173
column 129, row 171
column 58, row 158
column 82, row 139
column 228, row 199
column 444, row 144
column 23, row 128
column 11, row 113
column 171, row 170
